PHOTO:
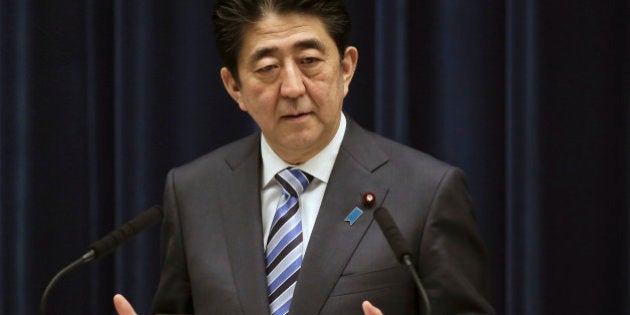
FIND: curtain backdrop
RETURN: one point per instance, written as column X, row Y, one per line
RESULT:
column 98, row 99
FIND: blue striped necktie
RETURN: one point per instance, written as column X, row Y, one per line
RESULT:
column 284, row 244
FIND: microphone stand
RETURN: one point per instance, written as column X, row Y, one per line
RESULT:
column 423, row 294
column 89, row 256
column 105, row 245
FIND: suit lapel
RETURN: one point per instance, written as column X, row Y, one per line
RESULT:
column 242, row 219
column 333, row 240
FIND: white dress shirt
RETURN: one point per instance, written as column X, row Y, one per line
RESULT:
column 319, row 166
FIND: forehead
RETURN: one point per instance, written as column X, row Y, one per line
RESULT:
column 284, row 32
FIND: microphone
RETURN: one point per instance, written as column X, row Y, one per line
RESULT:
column 122, row 234
column 402, row 250
column 107, row 244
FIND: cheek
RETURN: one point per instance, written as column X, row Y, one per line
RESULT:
column 260, row 104
column 322, row 87
column 327, row 93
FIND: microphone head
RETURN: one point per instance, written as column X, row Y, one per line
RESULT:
column 393, row 235
column 145, row 219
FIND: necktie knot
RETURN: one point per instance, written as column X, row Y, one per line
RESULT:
column 293, row 181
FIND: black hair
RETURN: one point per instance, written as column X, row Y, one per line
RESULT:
column 232, row 17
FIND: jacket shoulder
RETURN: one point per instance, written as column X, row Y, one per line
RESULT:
column 410, row 161
column 226, row 157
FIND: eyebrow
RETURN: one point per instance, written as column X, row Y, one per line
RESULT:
column 304, row 44
column 310, row 44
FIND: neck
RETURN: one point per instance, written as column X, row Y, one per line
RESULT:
column 297, row 156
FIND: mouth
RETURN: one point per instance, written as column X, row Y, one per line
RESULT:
column 296, row 117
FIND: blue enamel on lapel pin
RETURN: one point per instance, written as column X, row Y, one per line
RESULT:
column 354, row 215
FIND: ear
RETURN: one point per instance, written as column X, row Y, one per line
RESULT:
column 348, row 66
column 232, row 87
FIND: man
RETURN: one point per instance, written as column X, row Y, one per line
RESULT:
column 262, row 225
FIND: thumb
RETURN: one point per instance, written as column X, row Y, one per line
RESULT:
column 122, row 305
column 369, row 309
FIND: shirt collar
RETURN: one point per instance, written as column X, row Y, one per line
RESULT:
column 320, row 165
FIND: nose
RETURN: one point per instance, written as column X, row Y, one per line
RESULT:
column 292, row 84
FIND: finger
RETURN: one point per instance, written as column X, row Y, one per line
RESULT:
column 369, row 309
column 122, row 305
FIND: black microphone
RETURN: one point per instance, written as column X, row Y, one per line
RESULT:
column 122, row 234
column 402, row 250
column 107, row 244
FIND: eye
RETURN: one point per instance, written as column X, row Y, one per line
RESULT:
column 309, row 60
column 266, row 68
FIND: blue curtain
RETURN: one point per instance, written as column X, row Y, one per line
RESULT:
column 531, row 98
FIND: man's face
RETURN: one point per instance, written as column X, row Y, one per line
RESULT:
column 292, row 83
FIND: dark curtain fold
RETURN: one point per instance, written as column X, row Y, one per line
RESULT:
column 524, row 160
column 98, row 99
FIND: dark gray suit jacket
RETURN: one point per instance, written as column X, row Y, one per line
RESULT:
column 212, row 246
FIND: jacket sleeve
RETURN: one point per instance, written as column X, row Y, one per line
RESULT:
column 173, row 294
column 452, row 259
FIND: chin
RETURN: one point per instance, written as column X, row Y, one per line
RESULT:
column 299, row 144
